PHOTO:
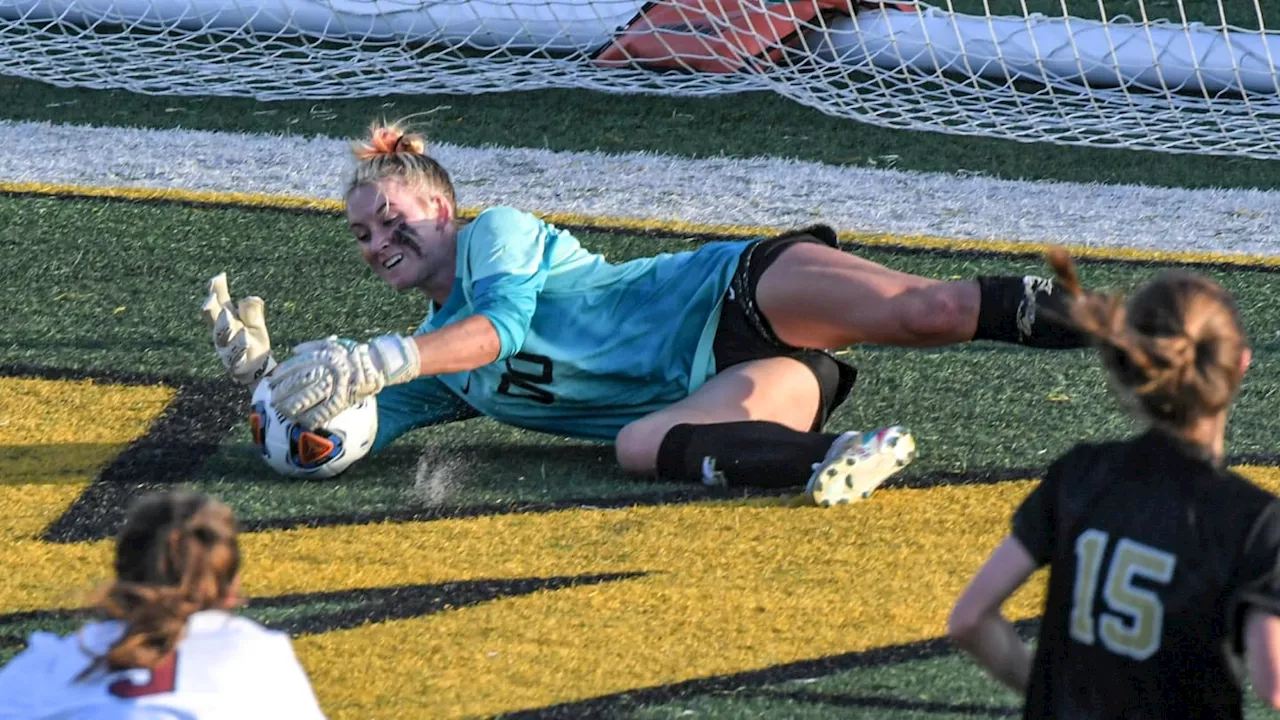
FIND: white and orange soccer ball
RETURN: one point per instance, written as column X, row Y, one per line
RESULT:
column 319, row 452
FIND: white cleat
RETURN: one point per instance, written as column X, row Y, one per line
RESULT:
column 858, row 463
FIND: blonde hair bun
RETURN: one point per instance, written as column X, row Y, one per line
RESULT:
column 391, row 152
column 389, row 139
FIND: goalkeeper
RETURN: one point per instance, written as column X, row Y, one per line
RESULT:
column 704, row 366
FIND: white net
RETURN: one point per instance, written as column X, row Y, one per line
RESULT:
column 1172, row 75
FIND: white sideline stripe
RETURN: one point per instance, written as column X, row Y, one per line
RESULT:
column 766, row 191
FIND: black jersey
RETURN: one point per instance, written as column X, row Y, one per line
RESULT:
column 1155, row 554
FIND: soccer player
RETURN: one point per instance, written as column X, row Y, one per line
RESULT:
column 170, row 646
column 709, row 365
column 1164, row 566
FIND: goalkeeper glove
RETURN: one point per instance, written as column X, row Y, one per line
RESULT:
column 239, row 333
column 325, row 377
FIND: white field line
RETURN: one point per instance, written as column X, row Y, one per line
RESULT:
column 759, row 192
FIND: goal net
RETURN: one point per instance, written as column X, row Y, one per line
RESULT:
column 1186, row 76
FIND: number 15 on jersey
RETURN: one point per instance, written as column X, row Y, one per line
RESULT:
column 1133, row 618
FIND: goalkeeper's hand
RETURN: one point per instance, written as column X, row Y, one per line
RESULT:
column 239, row 333
column 325, row 377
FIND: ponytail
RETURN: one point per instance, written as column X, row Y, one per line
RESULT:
column 1176, row 347
column 176, row 555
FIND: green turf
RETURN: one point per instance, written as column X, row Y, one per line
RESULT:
column 937, row 688
column 744, row 125
column 478, row 463
column 946, row 687
column 72, row 264
column 66, row 312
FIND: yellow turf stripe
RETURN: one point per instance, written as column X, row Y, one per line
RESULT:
column 54, row 438
column 1264, row 476
column 674, row 227
column 231, row 199
column 730, row 588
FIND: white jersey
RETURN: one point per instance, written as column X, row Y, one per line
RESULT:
column 225, row 667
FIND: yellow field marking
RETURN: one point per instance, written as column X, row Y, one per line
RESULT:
column 1263, row 476
column 203, row 197
column 729, row 587
column 669, row 227
column 54, row 438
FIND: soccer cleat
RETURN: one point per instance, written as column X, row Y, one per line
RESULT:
column 858, row 463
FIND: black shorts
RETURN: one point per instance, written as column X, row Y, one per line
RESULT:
column 744, row 334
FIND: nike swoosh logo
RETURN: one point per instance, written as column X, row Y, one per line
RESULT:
column 467, row 387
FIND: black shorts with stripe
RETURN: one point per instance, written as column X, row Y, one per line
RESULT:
column 744, row 333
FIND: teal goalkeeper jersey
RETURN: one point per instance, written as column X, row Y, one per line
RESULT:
column 586, row 345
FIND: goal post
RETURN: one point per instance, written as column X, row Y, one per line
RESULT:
column 1186, row 76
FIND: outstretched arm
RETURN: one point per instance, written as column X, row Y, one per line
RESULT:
column 505, row 255
column 325, row 377
column 465, row 345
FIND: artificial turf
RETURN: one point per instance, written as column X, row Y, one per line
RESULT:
column 116, row 288
column 111, row 290
column 740, row 125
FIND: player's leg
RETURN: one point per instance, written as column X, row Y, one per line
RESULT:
column 780, row 390
column 811, row 294
column 755, row 424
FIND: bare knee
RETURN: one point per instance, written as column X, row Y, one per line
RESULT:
column 637, row 446
column 941, row 313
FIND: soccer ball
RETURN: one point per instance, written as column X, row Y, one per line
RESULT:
column 319, row 452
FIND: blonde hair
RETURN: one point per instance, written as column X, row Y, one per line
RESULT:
column 391, row 151
column 1175, row 348
column 176, row 555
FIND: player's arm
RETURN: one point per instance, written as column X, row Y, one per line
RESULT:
column 977, row 625
column 1257, row 605
column 507, row 274
column 414, row 405
column 470, row 343
column 1262, row 654
column 504, row 255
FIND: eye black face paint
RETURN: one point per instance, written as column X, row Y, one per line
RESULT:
column 406, row 237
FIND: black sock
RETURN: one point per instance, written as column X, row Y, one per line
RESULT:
column 1026, row 311
column 753, row 453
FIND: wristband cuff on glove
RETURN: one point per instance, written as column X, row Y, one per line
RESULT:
column 397, row 358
